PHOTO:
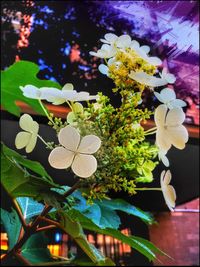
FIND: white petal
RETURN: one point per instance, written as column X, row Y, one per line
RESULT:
column 32, row 143
column 111, row 61
column 111, row 37
column 178, row 136
column 78, row 107
column 170, row 196
column 71, row 117
column 155, row 61
column 84, row 165
column 167, row 177
column 69, row 137
column 170, row 78
column 178, row 103
column 146, row 48
column 160, row 115
column 162, row 156
column 51, row 94
column 89, row 144
column 162, row 140
column 28, row 124
column 123, row 41
column 175, row 116
column 159, row 97
column 68, row 86
column 103, row 69
column 168, row 95
column 61, row 158
column 22, row 139
column 162, row 178
column 31, row 91
column 149, row 80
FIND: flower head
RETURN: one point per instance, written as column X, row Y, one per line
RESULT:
column 28, row 137
column 75, row 152
column 170, row 130
column 56, row 96
column 168, row 190
column 168, row 97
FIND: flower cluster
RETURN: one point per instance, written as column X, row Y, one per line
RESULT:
column 107, row 144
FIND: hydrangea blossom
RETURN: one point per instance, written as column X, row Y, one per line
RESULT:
column 56, row 96
column 28, row 137
column 168, row 97
column 75, row 152
column 170, row 130
column 168, row 190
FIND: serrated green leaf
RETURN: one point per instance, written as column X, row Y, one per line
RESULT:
column 135, row 242
column 19, row 74
column 12, row 225
column 122, row 205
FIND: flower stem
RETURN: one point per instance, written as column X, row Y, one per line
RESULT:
column 18, row 210
column 148, row 189
column 44, row 141
column 45, row 111
column 149, row 133
column 151, row 129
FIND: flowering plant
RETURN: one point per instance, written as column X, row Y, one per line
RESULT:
column 105, row 147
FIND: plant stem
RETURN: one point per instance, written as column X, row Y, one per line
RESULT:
column 44, row 141
column 31, row 229
column 151, row 129
column 149, row 133
column 45, row 228
column 148, row 189
column 45, row 111
column 23, row 260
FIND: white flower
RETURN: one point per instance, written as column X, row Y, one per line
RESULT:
column 110, row 38
column 168, row 190
column 170, row 130
column 146, row 79
column 162, row 156
column 77, row 109
column 123, row 41
column 31, row 91
column 168, row 97
column 56, row 96
column 105, row 70
column 75, row 152
column 169, row 77
column 106, row 51
column 28, row 137
column 143, row 51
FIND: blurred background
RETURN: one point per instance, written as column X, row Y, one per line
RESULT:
column 58, row 35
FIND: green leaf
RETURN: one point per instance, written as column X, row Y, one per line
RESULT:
column 147, row 250
column 29, row 207
column 12, row 225
column 74, row 229
column 34, row 166
column 35, row 249
column 122, row 205
column 21, row 73
column 19, row 183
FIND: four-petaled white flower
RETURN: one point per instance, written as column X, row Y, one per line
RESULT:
column 168, row 97
column 143, row 51
column 28, row 137
column 168, row 190
column 122, row 41
column 75, row 152
column 152, row 81
column 56, row 96
column 170, row 130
